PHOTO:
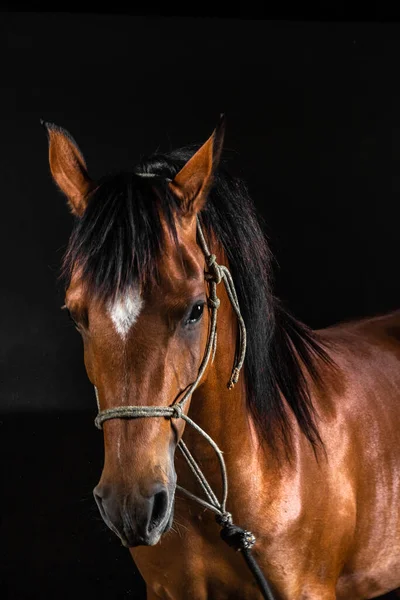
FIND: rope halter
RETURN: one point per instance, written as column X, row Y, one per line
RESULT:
column 214, row 275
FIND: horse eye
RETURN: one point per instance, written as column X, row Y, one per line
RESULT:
column 196, row 312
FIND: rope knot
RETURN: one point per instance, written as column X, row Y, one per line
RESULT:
column 177, row 411
column 224, row 519
column 214, row 267
column 214, row 302
column 237, row 538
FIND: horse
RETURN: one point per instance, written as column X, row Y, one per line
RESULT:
column 309, row 432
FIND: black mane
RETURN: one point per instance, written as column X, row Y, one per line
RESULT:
column 118, row 241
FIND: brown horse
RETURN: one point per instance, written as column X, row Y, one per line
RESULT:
column 310, row 434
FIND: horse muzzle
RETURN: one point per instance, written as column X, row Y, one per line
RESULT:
column 137, row 519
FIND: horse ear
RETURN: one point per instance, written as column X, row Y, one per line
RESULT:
column 68, row 168
column 193, row 182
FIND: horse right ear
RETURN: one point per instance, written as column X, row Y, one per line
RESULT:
column 68, row 168
column 193, row 182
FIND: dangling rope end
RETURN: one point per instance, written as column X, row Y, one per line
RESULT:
column 234, row 378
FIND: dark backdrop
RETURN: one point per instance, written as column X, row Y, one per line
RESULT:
column 313, row 125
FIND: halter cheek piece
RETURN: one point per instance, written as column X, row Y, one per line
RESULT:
column 239, row 539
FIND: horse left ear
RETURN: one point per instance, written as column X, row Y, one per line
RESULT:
column 68, row 168
column 193, row 182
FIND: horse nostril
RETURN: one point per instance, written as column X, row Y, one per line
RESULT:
column 160, row 508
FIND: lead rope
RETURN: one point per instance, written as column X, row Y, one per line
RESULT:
column 236, row 537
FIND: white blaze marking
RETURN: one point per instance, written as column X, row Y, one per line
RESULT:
column 125, row 311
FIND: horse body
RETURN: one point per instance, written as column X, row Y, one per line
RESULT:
column 310, row 434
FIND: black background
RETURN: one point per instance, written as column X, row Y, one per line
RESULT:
column 313, row 125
